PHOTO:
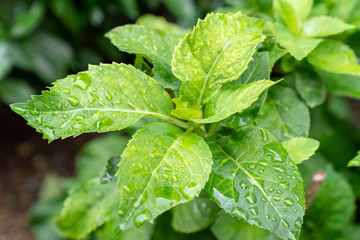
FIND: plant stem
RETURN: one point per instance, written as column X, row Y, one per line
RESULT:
column 213, row 128
column 173, row 120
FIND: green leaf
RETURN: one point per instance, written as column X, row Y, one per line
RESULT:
column 341, row 84
column 275, row 54
column 185, row 111
column 298, row 47
column 337, row 191
column 111, row 169
column 160, row 23
column 215, row 52
column 293, row 13
column 301, row 149
column 254, row 179
column 194, row 216
column 322, row 26
column 233, row 99
column 88, row 207
column 284, row 114
column 258, row 69
column 229, row 228
column 15, row 90
column 155, row 44
column 355, row 162
column 334, row 56
column 183, row 10
column 105, row 98
column 25, row 22
column 92, row 157
column 143, row 232
column 161, row 167
column 310, row 87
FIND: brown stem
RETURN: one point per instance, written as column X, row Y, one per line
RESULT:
column 317, row 180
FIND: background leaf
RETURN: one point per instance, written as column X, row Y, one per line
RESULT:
column 105, row 98
column 254, row 179
column 355, row 162
column 322, row 26
column 310, row 87
column 334, row 56
column 284, row 114
column 215, row 52
column 194, row 216
column 160, row 168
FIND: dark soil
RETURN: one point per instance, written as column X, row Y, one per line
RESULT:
column 25, row 158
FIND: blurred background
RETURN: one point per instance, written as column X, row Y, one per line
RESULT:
column 45, row 40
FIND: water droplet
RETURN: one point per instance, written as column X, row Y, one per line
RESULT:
column 65, row 116
column 273, row 219
column 298, row 223
column 267, row 216
column 79, row 117
column 52, row 102
column 174, row 178
column 263, row 163
column 33, row 110
column 280, row 177
column 261, row 171
column 166, row 176
column 143, row 90
column 284, row 209
column 121, row 213
column 255, row 221
column 254, row 210
column 279, row 169
column 289, row 202
column 263, row 199
column 77, row 125
column 278, row 191
column 252, row 165
column 167, row 168
column 276, row 198
column 271, row 189
column 295, row 210
column 144, row 216
column 67, row 90
column 285, row 223
column 240, row 213
column 244, row 184
column 131, row 105
column 39, row 120
column 58, row 106
column 127, row 188
column 82, row 81
column 108, row 96
column 250, row 198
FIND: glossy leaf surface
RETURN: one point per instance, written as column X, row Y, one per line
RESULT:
column 194, row 216
column 158, row 45
column 334, row 56
column 311, row 88
column 355, row 162
column 215, row 52
column 284, row 114
column 254, row 179
column 298, row 47
column 323, row 26
column 105, row 98
column 160, row 168
column 233, row 99
column 301, row 149
column 229, row 228
column 88, row 207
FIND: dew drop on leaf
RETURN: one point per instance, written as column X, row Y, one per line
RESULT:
column 289, row 202
column 240, row 213
column 250, row 198
column 82, row 81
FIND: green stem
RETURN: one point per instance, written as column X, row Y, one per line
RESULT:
column 173, row 120
column 200, row 132
column 213, row 128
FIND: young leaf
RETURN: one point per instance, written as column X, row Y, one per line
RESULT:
column 194, row 216
column 158, row 45
column 160, row 168
column 293, row 12
column 88, row 207
column 301, row 149
column 229, row 228
column 105, row 98
column 233, row 99
column 284, row 114
column 334, row 56
column 215, row 52
column 322, row 26
column 341, row 84
column 254, row 179
column 298, row 47
column 311, row 88
column 185, row 111
column 355, row 162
